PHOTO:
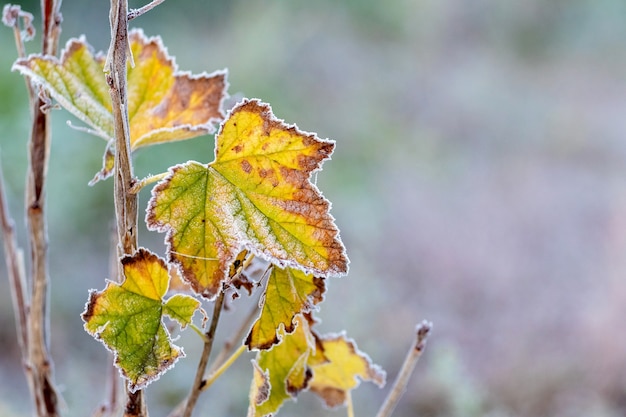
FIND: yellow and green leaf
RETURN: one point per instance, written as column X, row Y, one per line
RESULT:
column 164, row 104
column 329, row 366
column 256, row 194
column 127, row 319
column 289, row 292
column 283, row 369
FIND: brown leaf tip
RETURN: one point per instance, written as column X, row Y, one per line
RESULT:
column 89, row 307
column 141, row 255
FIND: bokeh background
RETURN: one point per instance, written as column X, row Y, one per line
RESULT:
column 479, row 181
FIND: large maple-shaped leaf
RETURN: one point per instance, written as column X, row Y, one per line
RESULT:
column 257, row 194
column 164, row 104
column 288, row 292
column 127, row 319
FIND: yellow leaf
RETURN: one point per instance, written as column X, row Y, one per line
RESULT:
column 288, row 292
column 344, row 367
column 164, row 104
column 257, row 194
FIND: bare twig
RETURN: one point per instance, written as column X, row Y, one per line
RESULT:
column 134, row 13
column 39, row 367
column 400, row 384
column 11, row 16
column 14, row 258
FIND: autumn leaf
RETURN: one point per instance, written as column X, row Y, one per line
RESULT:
column 288, row 292
column 127, row 319
column 329, row 366
column 282, row 372
column 343, row 370
column 257, row 195
column 164, row 104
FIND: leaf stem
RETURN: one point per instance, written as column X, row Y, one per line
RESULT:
column 198, row 331
column 399, row 386
column 134, row 13
column 206, row 383
column 138, row 185
column 204, row 359
column 349, row 405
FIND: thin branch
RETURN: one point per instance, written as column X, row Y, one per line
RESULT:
column 237, row 339
column 11, row 16
column 399, row 386
column 204, row 359
column 135, row 13
column 223, row 357
column 14, row 259
column 39, row 366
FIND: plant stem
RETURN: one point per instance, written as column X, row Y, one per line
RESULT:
column 204, row 359
column 125, row 202
column 237, row 338
column 349, row 404
column 39, row 365
column 399, row 386
column 13, row 13
column 14, row 258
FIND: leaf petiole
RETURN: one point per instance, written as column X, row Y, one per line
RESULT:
column 137, row 186
column 219, row 371
column 349, row 406
column 198, row 331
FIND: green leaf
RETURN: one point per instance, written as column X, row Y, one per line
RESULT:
column 288, row 292
column 127, row 319
column 257, row 194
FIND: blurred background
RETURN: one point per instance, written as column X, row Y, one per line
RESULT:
column 479, row 181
